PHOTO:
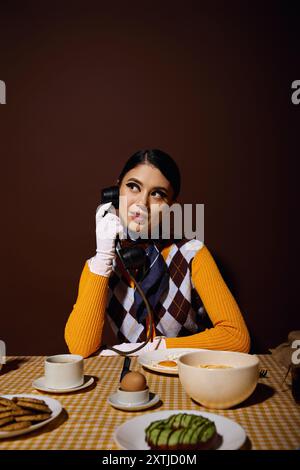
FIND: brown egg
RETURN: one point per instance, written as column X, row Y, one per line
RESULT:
column 133, row 382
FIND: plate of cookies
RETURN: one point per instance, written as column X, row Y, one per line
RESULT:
column 22, row 413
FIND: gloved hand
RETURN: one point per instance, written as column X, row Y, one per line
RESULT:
column 108, row 226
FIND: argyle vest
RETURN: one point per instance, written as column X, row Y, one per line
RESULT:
column 179, row 312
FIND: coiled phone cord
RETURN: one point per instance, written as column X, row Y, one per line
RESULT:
column 148, row 307
column 150, row 331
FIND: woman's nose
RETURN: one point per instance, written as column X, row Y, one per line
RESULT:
column 142, row 207
column 143, row 202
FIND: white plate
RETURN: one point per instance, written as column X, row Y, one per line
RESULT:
column 154, row 399
column 39, row 384
column 150, row 359
column 54, row 405
column 131, row 434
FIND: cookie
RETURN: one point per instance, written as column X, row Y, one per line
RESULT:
column 5, row 414
column 7, row 403
column 33, row 406
column 30, row 400
column 3, row 421
column 31, row 417
column 15, row 426
column 20, row 412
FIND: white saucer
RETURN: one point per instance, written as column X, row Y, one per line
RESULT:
column 39, row 384
column 112, row 400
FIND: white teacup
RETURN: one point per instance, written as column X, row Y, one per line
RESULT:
column 64, row 371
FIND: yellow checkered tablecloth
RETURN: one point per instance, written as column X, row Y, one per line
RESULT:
column 270, row 416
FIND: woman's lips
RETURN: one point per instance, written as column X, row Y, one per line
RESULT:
column 137, row 217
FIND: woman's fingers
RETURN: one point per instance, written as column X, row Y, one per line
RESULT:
column 100, row 211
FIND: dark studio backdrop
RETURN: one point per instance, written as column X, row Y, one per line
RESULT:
column 90, row 83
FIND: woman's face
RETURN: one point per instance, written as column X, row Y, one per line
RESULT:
column 144, row 193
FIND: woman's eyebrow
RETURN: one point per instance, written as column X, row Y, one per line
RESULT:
column 161, row 188
column 139, row 182
column 135, row 180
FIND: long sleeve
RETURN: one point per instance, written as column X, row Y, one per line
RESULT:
column 229, row 330
column 84, row 327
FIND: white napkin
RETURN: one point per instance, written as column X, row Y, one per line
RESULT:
column 158, row 343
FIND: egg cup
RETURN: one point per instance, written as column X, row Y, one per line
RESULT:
column 133, row 398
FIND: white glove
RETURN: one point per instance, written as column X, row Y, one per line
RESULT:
column 108, row 226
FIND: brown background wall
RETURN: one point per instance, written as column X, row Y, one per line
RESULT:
column 88, row 84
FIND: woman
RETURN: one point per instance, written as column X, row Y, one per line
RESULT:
column 192, row 305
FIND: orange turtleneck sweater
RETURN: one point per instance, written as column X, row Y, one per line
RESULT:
column 83, row 332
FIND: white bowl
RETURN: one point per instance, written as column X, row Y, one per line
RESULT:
column 218, row 388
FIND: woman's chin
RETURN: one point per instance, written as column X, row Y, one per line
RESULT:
column 139, row 230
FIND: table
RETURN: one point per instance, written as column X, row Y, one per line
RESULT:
column 270, row 416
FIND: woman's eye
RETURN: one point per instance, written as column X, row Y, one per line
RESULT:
column 159, row 195
column 133, row 186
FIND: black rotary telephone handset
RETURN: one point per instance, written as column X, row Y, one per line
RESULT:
column 131, row 258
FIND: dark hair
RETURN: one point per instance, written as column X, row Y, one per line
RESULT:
column 160, row 160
